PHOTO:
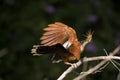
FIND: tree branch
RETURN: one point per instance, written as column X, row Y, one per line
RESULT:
column 77, row 64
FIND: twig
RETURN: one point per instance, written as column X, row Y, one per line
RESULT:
column 104, row 58
column 101, row 68
column 85, row 65
column 91, row 70
column 118, row 76
column 116, row 62
column 112, row 61
column 99, row 65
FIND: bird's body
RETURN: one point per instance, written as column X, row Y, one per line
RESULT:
column 60, row 40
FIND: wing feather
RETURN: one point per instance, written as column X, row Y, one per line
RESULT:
column 55, row 33
column 51, row 28
column 49, row 38
column 57, row 38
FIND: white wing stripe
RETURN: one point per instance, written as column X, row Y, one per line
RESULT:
column 67, row 44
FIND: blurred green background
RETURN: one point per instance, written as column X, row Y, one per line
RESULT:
column 21, row 24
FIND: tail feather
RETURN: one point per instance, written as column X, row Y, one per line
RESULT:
column 57, row 50
column 34, row 50
column 54, row 49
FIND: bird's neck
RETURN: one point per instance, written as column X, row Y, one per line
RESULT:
column 84, row 43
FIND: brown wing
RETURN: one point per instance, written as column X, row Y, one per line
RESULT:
column 56, row 33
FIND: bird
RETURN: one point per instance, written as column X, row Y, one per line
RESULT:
column 61, row 40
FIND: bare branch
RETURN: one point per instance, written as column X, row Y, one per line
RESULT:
column 91, row 70
column 99, row 65
column 118, row 76
column 101, row 68
column 104, row 58
column 116, row 62
column 112, row 61
column 85, row 65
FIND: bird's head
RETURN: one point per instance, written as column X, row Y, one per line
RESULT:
column 89, row 35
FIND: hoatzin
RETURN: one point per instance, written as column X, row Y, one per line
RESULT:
column 61, row 40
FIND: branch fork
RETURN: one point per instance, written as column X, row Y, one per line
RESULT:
column 104, row 59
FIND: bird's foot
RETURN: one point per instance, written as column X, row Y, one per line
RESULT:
column 74, row 65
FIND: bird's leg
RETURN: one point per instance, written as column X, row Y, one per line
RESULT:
column 87, row 40
column 56, row 58
column 74, row 65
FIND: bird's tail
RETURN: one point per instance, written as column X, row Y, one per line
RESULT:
column 34, row 50
column 39, row 49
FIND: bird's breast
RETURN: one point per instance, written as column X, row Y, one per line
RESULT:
column 74, row 49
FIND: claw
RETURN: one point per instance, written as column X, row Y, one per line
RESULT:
column 74, row 65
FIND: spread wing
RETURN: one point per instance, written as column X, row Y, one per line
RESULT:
column 56, row 33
